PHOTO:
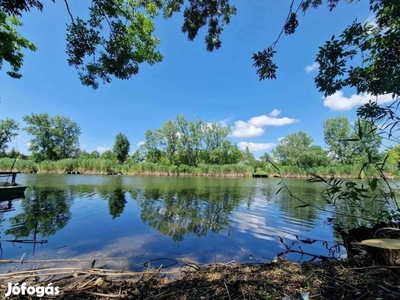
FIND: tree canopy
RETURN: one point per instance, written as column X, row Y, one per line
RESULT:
column 347, row 145
column 54, row 138
column 121, row 147
column 189, row 143
column 296, row 149
column 8, row 130
column 11, row 44
column 130, row 40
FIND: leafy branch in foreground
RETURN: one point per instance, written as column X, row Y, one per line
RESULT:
column 118, row 36
column 11, row 44
column 333, row 186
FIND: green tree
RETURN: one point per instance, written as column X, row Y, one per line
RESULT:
column 139, row 156
column 336, row 133
column 11, row 44
column 248, row 158
column 91, row 155
column 234, row 155
column 108, row 154
column 53, row 138
column 97, row 54
column 131, row 40
column 393, row 155
column 168, row 136
column 94, row 154
column 121, row 147
column 266, row 157
column 13, row 153
column 296, row 149
column 8, row 130
column 351, row 146
column 367, row 141
column 84, row 155
column 150, row 147
column 315, row 156
column 214, row 135
column 184, row 142
column 291, row 147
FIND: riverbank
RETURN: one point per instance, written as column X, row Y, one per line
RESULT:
column 111, row 167
column 352, row 279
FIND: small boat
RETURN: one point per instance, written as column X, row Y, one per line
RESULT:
column 11, row 190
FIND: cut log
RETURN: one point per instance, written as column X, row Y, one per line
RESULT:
column 384, row 251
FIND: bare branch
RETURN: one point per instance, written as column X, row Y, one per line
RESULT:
column 287, row 19
column 69, row 11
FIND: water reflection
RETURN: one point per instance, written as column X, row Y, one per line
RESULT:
column 206, row 217
column 6, row 206
column 116, row 203
column 306, row 207
column 177, row 212
column 45, row 210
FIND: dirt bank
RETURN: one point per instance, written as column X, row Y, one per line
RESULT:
column 355, row 279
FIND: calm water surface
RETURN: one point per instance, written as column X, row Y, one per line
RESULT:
column 144, row 218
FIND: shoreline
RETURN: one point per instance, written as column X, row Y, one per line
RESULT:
column 349, row 279
column 185, row 174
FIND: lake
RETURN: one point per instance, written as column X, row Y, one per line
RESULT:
column 138, row 219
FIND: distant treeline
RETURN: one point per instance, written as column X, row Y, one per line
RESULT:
column 104, row 166
column 182, row 147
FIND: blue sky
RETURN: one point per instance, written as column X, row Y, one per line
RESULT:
column 218, row 86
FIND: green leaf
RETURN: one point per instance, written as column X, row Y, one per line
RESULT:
column 373, row 184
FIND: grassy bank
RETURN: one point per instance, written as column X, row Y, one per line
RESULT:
column 103, row 166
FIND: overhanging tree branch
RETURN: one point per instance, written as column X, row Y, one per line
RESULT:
column 69, row 11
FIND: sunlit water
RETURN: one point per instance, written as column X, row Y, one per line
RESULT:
column 137, row 219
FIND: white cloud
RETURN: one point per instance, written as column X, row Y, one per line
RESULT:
column 224, row 122
column 339, row 102
column 281, row 138
column 102, row 149
column 28, row 144
column 312, row 67
column 254, row 126
column 255, row 146
column 275, row 113
column 264, row 120
column 141, row 143
column 245, row 130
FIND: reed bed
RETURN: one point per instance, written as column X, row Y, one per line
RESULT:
column 104, row 166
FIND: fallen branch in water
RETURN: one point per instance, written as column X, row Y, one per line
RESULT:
column 25, row 241
column 61, row 271
column 5, row 261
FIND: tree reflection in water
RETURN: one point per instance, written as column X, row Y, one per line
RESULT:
column 177, row 212
column 45, row 211
column 116, row 202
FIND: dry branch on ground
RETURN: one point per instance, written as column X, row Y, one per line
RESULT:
column 329, row 280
